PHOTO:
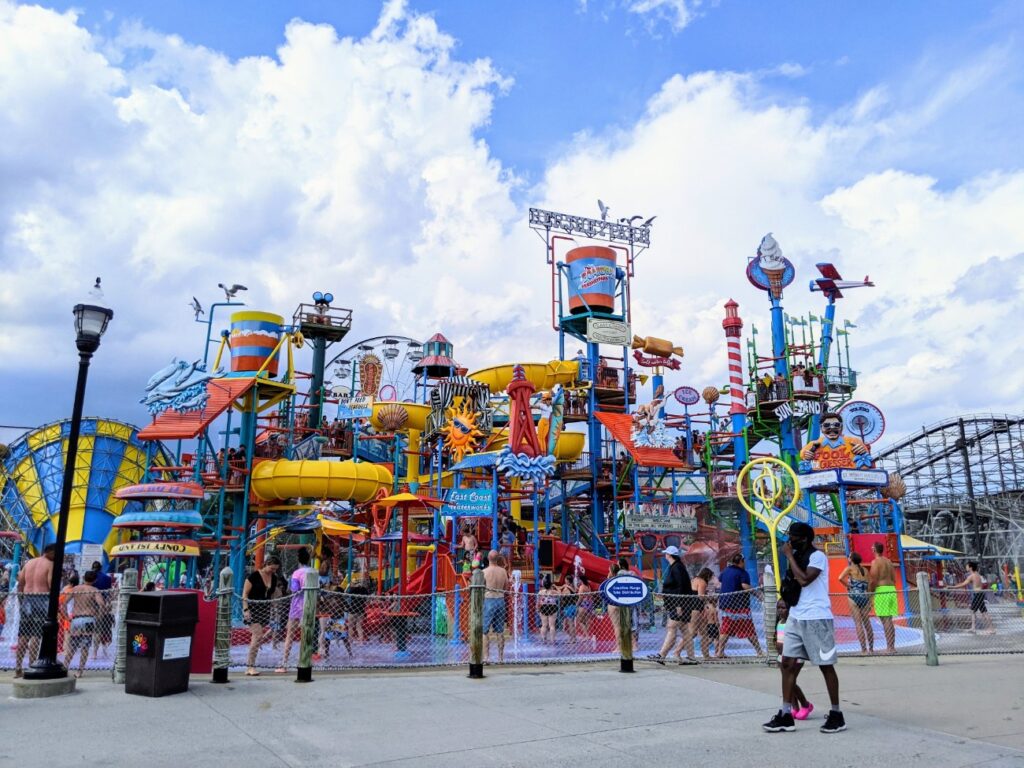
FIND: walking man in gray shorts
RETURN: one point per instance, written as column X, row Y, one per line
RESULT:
column 810, row 634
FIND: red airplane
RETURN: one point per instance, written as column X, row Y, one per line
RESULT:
column 831, row 282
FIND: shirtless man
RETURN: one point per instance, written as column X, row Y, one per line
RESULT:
column 34, row 588
column 977, row 587
column 87, row 606
column 495, row 580
column 881, row 582
column 469, row 543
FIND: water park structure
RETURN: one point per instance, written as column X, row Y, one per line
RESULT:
column 390, row 456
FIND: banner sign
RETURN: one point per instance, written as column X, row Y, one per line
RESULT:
column 160, row 548
column 653, row 361
column 615, row 332
column 624, row 591
column 830, row 478
column 470, row 502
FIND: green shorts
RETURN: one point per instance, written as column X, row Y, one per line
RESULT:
column 886, row 604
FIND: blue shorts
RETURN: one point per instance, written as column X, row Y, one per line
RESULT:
column 494, row 614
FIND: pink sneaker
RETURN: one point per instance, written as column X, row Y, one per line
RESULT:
column 804, row 712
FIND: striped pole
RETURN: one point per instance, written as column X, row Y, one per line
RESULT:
column 733, row 325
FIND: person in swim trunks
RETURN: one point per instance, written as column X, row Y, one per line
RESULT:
column 34, row 593
column 496, row 583
column 978, row 606
column 881, row 582
column 87, row 604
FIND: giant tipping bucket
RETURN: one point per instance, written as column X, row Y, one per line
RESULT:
column 591, row 279
column 254, row 337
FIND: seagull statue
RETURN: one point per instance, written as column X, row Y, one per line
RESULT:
column 97, row 291
column 647, row 224
column 604, row 209
column 196, row 307
column 629, row 222
column 230, row 291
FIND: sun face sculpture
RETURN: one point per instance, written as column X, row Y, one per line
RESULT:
column 461, row 433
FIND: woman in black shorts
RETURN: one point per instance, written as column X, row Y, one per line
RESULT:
column 261, row 586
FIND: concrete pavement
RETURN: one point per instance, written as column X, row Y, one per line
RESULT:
column 590, row 716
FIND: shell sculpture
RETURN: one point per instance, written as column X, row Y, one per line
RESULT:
column 393, row 417
column 896, row 489
column 710, row 395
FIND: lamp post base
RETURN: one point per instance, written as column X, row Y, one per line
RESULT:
column 44, row 669
column 43, row 689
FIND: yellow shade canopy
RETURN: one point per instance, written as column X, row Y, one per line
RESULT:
column 909, row 542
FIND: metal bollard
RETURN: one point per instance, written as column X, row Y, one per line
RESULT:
column 129, row 584
column 304, row 673
column 771, row 640
column 924, row 597
column 476, row 625
column 625, row 630
column 222, row 633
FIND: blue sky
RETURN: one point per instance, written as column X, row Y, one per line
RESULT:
column 583, row 66
column 391, row 160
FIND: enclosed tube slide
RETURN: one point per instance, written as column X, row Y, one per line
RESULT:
column 336, row 480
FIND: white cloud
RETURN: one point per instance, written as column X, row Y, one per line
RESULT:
column 676, row 13
column 356, row 166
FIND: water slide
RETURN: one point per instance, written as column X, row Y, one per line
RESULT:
column 541, row 375
column 595, row 569
column 335, row 480
column 569, row 446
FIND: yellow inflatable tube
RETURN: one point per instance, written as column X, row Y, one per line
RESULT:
column 335, row 480
column 541, row 375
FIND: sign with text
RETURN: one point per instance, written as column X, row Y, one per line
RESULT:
column 615, row 332
column 686, row 395
column 624, row 591
column 660, row 516
column 470, row 502
column 830, row 478
column 355, row 407
column 798, row 408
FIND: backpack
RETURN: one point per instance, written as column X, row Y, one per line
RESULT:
column 791, row 589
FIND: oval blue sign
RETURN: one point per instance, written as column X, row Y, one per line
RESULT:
column 625, row 591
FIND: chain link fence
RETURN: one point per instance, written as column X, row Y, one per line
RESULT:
column 353, row 630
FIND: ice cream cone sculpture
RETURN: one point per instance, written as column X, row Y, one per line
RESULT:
column 769, row 258
column 657, row 347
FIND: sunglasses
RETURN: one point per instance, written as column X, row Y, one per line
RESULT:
column 649, row 542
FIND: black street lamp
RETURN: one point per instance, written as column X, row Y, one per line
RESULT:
column 90, row 323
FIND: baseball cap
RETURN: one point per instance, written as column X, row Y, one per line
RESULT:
column 671, row 550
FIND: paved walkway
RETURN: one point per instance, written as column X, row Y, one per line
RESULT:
column 901, row 713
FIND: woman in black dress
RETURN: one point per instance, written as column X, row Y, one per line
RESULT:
column 261, row 586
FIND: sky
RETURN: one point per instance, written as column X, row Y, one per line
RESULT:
column 389, row 152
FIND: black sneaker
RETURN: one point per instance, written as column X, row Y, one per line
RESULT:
column 782, row 721
column 834, row 723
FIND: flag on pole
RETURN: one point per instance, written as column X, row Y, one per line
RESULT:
column 848, row 324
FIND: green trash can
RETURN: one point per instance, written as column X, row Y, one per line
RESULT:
column 160, row 626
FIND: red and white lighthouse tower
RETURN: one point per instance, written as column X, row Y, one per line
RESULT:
column 733, row 325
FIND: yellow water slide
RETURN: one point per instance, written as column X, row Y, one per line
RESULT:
column 541, row 375
column 335, row 480
column 568, row 447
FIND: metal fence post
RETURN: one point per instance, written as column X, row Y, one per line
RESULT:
column 924, row 599
column 476, row 625
column 304, row 673
column 771, row 640
column 222, row 634
column 624, row 627
column 129, row 584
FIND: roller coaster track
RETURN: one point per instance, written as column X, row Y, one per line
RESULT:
column 965, row 483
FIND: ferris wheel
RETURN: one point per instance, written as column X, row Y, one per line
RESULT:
column 380, row 367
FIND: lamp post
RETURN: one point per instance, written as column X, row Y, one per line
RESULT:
column 90, row 323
